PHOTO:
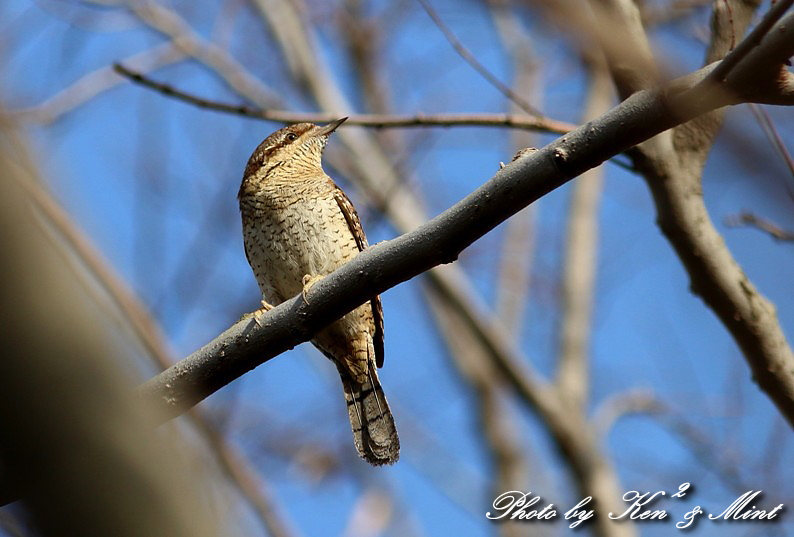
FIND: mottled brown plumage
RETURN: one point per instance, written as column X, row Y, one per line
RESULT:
column 299, row 226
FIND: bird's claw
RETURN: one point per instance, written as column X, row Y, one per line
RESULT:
column 308, row 282
column 256, row 313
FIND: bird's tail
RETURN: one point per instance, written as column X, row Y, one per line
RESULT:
column 374, row 432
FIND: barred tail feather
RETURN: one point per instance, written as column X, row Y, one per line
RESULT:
column 374, row 432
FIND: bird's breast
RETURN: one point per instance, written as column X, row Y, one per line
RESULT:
column 287, row 237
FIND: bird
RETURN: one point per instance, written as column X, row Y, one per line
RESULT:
column 299, row 226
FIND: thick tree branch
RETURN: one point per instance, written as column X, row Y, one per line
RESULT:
column 645, row 114
column 673, row 171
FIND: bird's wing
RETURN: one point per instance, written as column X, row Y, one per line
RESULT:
column 354, row 224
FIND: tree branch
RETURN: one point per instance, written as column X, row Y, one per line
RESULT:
column 97, row 82
column 579, row 272
column 167, row 22
column 369, row 120
column 744, row 48
column 673, row 169
column 247, row 344
column 772, row 229
column 472, row 60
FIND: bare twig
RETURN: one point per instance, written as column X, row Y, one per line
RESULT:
column 168, row 23
column 368, row 120
column 751, row 220
column 774, row 136
column 97, row 82
column 472, row 60
column 690, row 436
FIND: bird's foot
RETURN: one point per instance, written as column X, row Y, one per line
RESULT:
column 308, row 282
column 256, row 313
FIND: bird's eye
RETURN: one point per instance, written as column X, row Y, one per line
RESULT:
column 291, row 137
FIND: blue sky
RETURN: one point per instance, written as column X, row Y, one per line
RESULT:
column 153, row 182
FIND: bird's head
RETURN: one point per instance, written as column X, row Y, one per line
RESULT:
column 297, row 147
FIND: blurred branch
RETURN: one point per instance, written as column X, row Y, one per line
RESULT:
column 613, row 408
column 371, row 514
column 572, row 435
column 710, row 455
column 615, row 29
column 645, row 114
column 518, row 245
column 147, row 332
column 495, row 419
column 774, row 136
column 245, row 477
column 578, row 288
column 134, row 314
column 168, row 23
column 82, row 452
column 515, row 269
column 97, row 82
column 672, row 165
column 364, row 38
column 578, row 280
column 472, row 60
column 654, row 15
column 751, row 220
column 622, row 38
column 369, row 120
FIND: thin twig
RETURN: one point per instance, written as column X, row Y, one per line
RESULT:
column 774, row 136
column 97, row 82
column 642, row 403
column 169, row 23
column 751, row 220
column 368, row 120
column 464, row 53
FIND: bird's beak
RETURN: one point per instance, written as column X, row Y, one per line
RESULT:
column 331, row 127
